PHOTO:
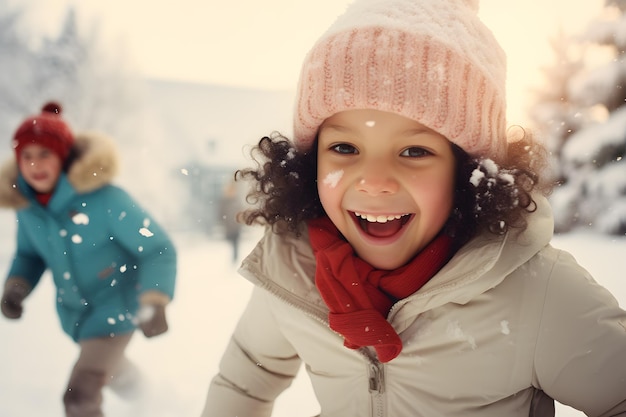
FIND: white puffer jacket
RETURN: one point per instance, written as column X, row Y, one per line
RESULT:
column 507, row 325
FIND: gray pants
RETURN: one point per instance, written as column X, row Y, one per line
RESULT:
column 101, row 362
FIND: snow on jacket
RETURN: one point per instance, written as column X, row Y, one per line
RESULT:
column 505, row 327
column 103, row 250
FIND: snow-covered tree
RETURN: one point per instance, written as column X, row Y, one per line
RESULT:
column 17, row 71
column 92, row 82
column 592, row 186
column 61, row 61
column 555, row 115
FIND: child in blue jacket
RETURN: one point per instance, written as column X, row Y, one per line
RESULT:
column 113, row 266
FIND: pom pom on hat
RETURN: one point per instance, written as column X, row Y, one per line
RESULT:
column 46, row 129
column 432, row 61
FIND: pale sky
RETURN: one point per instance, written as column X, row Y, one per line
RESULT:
column 261, row 44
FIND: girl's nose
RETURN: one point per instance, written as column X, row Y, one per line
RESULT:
column 376, row 181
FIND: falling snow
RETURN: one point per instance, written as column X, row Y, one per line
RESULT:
column 80, row 218
column 455, row 332
column 488, row 169
column 145, row 232
column 333, row 178
column 504, row 327
column 477, row 177
column 146, row 313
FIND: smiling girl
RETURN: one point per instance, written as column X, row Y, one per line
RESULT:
column 396, row 186
column 407, row 259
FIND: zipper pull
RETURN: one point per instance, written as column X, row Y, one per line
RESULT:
column 376, row 377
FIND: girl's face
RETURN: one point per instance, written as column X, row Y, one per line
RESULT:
column 386, row 182
column 40, row 167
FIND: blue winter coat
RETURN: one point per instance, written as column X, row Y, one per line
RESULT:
column 104, row 251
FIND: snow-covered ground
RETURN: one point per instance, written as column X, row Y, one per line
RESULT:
column 36, row 357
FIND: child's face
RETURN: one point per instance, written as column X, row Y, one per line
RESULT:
column 40, row 167
column 394, row 172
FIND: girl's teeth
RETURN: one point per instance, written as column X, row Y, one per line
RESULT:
column 378, row 219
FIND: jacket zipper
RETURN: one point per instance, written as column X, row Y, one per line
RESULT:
column 376, row 375
column 376, row 380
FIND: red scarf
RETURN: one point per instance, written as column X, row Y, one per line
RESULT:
column 359, row 296
column 43, row 198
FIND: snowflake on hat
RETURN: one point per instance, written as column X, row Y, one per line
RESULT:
column 46, row 129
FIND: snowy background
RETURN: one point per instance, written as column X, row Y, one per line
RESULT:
column 179, row 140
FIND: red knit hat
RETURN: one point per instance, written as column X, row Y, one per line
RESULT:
column 46, row 129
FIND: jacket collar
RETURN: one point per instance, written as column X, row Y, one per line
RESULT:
column 95, row 166
column 285, row 265
column 480, row 265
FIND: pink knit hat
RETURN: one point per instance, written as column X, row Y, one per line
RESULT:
column 432, row 61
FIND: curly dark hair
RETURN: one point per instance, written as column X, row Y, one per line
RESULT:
column 489, row 196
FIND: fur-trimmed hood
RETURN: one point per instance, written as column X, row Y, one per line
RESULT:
column 95, row 165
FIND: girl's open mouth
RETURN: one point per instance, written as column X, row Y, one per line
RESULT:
column 381, row 225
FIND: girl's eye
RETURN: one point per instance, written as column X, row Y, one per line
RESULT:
column 344, row 148
column 415, row 152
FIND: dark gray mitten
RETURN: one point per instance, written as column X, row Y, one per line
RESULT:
column 15, row 290
column 152, row 321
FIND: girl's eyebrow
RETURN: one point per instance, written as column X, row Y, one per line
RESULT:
column 413, row 131
column 419, row 131
column 338, row 128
